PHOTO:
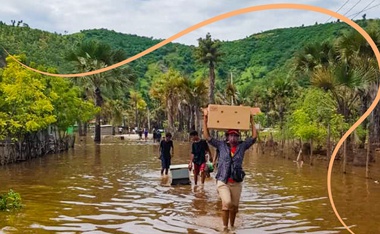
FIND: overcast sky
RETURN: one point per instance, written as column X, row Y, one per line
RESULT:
column 163, row 18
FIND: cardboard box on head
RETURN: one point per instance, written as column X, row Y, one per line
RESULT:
column 228, row 117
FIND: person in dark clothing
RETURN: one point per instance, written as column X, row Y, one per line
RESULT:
column 217, row 153
column 145, row 134
column 199, row 149
column 140, row 132
column 166, row 150
column 154, row 135
column 158, row 136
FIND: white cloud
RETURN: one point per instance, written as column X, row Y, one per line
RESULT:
column 164, row 18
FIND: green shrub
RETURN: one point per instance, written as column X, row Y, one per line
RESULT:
column 11, row 200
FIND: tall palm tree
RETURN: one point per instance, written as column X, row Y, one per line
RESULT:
column 93, row 55
column 138, row 103
column 197, row 98
column 356, row 52
column 112, row 112
column 208, row 52
column 315, row 55
column 169, row 89
column 337, row 74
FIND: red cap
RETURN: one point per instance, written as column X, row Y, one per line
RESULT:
column 233, row 131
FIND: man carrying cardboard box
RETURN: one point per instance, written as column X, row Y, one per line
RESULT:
column 230, row 173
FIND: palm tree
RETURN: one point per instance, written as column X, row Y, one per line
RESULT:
column 138, row 103
column 112, row 111
column 335, row 74
column 169, row 89
column 208, row 52
column 356, row 52
column 93, row 55
column 197, row 98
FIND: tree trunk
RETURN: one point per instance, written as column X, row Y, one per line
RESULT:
column 344, row 156
column 80, row 130
column 212, row 83
column 170, row 117
column 136, row 116
column 180, row 120
column 99, row 102
column 198, row 122
column 311, row 152
column 85, row 126
column 190, row 119
column 299, row 156
column 367, row 158
column 148, row 119
column 374, row 132
column 328, row 150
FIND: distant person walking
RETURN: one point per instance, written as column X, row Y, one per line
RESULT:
column 166, row 150
column 158, row 135
column 140, row 132
column 145, row 134
column 154, row 135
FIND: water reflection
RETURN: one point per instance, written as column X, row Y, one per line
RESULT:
column 116, row 187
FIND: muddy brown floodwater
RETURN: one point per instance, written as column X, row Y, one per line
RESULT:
column 116, row 187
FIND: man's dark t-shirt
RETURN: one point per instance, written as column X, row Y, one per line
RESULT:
column 199, row 150
column 165, row 148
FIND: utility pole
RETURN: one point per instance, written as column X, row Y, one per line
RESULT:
column 148, row 118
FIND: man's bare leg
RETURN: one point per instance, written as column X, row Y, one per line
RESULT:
column 225, row 216
column 232, row 217
column 196, row 178
column 203, row 177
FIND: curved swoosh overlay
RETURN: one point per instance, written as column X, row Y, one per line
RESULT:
column 243, row 11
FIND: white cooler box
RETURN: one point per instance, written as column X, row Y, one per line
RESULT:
column 180, row 174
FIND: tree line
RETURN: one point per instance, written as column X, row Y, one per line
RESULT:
column 312, row 95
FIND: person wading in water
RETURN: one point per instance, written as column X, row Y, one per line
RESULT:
column 230, row 174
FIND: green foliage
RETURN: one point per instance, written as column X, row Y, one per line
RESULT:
column 25, row 106
column 311, row 115
column 68, row 106
column 261, row 119
column 10, row 201
column 39, row 46
column 208, row 51
column 30, row 102
column 304, row 127
column 268, row 71
column 174, row 55
column 250, row 58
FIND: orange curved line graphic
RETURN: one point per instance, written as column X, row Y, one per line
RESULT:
column 248, row 10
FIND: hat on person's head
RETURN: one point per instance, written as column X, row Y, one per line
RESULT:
column 233, row 131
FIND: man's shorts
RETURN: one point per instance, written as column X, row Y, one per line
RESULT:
column 165, row 162
column 230, row 194
column 199, row 168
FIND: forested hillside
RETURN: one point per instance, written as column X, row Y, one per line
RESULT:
column 311, row 82
column 249, row 58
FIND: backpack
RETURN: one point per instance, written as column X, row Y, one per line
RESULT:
column 236, row 172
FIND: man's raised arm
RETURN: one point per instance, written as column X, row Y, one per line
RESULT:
column 206, row 133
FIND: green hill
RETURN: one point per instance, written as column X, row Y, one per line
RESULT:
column 250, row 58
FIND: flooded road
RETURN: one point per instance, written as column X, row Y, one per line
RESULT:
column 116, row 187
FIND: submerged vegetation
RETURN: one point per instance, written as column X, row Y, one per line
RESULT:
column 10, row 201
